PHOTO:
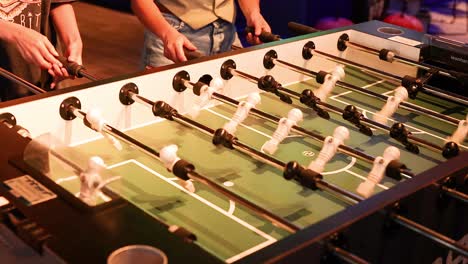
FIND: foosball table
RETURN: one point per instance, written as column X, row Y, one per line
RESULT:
column 328, row 147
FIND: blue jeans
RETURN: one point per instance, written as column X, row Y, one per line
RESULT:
column 214, row 38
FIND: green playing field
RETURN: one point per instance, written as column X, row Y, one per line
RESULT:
column 230, row 231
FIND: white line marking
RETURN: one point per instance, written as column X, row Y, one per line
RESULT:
column 249, row 251
column 156, row 120
column 372, row 84
column 227, row 118
column 365, row 86
column 232, row 207
column 346, row 169
column 364, row 178
column 203, row 200
column 104, row 197
column 341, row 94
column 353, row 161
column 388, row 92
column 99, row 136
column 229, row 213
column 70, row 178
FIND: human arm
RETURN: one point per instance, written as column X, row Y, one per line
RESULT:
column 151, row 17
column 251, row 11
column 63, row 18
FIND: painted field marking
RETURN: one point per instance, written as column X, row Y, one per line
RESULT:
column 229, row 213
column 269, row 239
column 241, row 124
column 345, row 168
column 201, row 199
column 364, row 178
column 249, row 251
column 99, row 136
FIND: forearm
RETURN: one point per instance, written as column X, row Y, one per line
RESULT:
column 249, row 7
column 7, row 30
column 63, row 18
column 151, row 17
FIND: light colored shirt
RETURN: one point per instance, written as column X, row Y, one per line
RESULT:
column 199, row 13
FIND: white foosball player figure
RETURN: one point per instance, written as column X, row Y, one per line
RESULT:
column 168, row 156
column 283, row 130
column 393, row 102
column 377, row 172
column 330, row 146
column 91, row 181
column 97, row 122
column 206, row 93
column 242, row 112
column 325, row 89
column 460, row 133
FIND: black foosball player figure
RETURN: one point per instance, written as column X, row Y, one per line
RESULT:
column 28, row 32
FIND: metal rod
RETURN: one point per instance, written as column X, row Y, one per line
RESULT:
column 209, row 131
column 204, row 180
column 185, row 121
column 264, row 115
column 88, row 76
column 120, row 135
column 367, row 121
column 404, row 105
column 276, row 220
column 245, row 149
column 431, row 234
column 396, row 57
column 427, row 232
column 244, row 75
column 330, row 186
column 390, row 77
column 345, row 255
column 452, row 192
column 12, row 77
column 455, row 194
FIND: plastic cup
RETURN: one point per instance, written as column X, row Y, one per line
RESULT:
column 141, row 254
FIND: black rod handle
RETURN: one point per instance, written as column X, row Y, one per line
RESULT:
column 264, row 36
column 301, row 29
column 192, row 54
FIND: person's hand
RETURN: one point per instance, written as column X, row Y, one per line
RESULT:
column 174, row 44
column 73, row 53
column 35, row 48
column 256, row 21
